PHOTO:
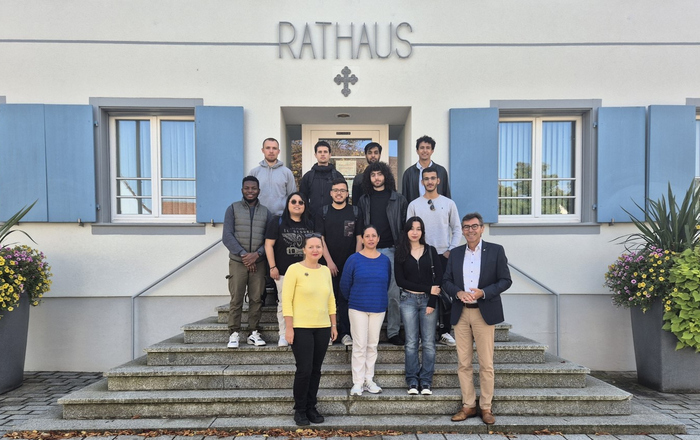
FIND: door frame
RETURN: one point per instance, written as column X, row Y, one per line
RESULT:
column 310, row 133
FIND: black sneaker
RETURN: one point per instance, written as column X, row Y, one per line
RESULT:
column 425, row 390
column 301, row 419
column 396, row 340
column 413, row 390
column 314, row 416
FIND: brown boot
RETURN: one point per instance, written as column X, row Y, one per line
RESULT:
column 487, row 417
column 463, row 414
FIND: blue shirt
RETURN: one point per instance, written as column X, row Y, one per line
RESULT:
column 365, row 282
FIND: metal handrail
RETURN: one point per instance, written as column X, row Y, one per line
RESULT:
column 160, row 280
column 550, row 291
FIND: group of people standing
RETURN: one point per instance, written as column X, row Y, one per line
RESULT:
column 341, row 268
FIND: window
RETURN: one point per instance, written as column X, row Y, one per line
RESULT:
column 152, row 168
column 539, row 169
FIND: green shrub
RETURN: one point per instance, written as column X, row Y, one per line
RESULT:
column 682, row 308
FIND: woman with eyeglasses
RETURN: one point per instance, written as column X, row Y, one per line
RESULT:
column 283, row 247
column 418, row 273
column 365, row 284
column 308, row 306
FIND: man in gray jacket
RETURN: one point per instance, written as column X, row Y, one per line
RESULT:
column 276, row 180
column 244, row 237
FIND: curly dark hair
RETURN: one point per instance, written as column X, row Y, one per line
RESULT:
column 382, row 167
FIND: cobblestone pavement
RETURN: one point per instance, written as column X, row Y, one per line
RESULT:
column 41, row 389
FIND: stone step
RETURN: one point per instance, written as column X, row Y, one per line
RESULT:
column 210, row 330
column 136, row 375
column 642, row 421
column 96, row 402
column 269, row 314
column 175, row 351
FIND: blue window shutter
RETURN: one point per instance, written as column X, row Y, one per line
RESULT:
column 621, row 162
column 70, row 163
column 219, row 153
column 22, row 161
column 671, row 156
column 474, row 161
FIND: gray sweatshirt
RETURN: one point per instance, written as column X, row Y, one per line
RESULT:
column 276, row 184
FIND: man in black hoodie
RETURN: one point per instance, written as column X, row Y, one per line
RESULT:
column 316, row 184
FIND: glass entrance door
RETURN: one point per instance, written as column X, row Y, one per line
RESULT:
column 347, row 146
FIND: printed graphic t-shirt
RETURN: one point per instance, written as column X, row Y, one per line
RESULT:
column 289, row 237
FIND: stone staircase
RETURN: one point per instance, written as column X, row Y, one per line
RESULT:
column 193, row 375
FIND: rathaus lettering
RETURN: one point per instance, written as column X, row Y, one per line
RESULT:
column 317, row 39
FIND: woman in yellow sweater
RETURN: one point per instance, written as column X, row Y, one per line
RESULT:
column 308, row 307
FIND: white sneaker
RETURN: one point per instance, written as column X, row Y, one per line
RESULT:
column 255, row 339
column 233, row 340
column 283, row 342
column 447, row 339
column 347, row 340
column 356, row 390
column 372, row 387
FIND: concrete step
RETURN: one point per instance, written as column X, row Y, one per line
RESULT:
column 175, row 351
column 96, row 402
column 641, row 421
column 137, row 375
column 211, row 330
column 269, row 314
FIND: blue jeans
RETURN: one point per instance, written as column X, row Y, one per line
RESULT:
column 419, row 327
column 393, row 314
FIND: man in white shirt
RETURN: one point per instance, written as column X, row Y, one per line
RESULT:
column 476, row 275
column 442, row 231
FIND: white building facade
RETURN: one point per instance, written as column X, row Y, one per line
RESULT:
column 133, row 123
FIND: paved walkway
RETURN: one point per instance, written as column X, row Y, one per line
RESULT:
column 41, row 390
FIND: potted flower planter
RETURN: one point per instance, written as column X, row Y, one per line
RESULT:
column 659, row 365
column 14, row 327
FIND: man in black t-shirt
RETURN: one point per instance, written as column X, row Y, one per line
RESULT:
column 384, row 208
column 340, row 226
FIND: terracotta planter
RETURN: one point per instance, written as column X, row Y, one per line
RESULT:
column 659, row 365
column 14, row 327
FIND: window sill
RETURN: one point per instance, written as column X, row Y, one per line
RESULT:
column 148, row 229
column 544, row 229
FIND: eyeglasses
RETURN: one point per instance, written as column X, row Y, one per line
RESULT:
column 312, row 235
column 472, row 227
column 432, row 207
column 341, row 191
column 297, row 202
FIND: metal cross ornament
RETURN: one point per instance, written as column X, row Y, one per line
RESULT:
column 346, row 79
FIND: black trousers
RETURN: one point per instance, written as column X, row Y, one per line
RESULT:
column 444, row 325
column 309, row 348
column 341, row 305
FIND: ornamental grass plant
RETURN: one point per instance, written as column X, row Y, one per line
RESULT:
column 662, row 263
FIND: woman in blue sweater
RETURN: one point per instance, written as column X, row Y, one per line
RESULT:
column 365, row 283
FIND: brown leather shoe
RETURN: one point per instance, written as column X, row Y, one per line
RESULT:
column 487, row 417
column 463, row 414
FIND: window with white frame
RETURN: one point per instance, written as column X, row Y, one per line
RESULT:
column 539, row 169
column 152, row 168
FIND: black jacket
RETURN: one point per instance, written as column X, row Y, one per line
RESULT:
column 395, row 211
column 411, row 182
column 494, row 279
column 318, row 193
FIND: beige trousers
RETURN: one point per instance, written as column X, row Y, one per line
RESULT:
column 472, row 327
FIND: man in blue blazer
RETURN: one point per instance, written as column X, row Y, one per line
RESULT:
column 475, row 276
